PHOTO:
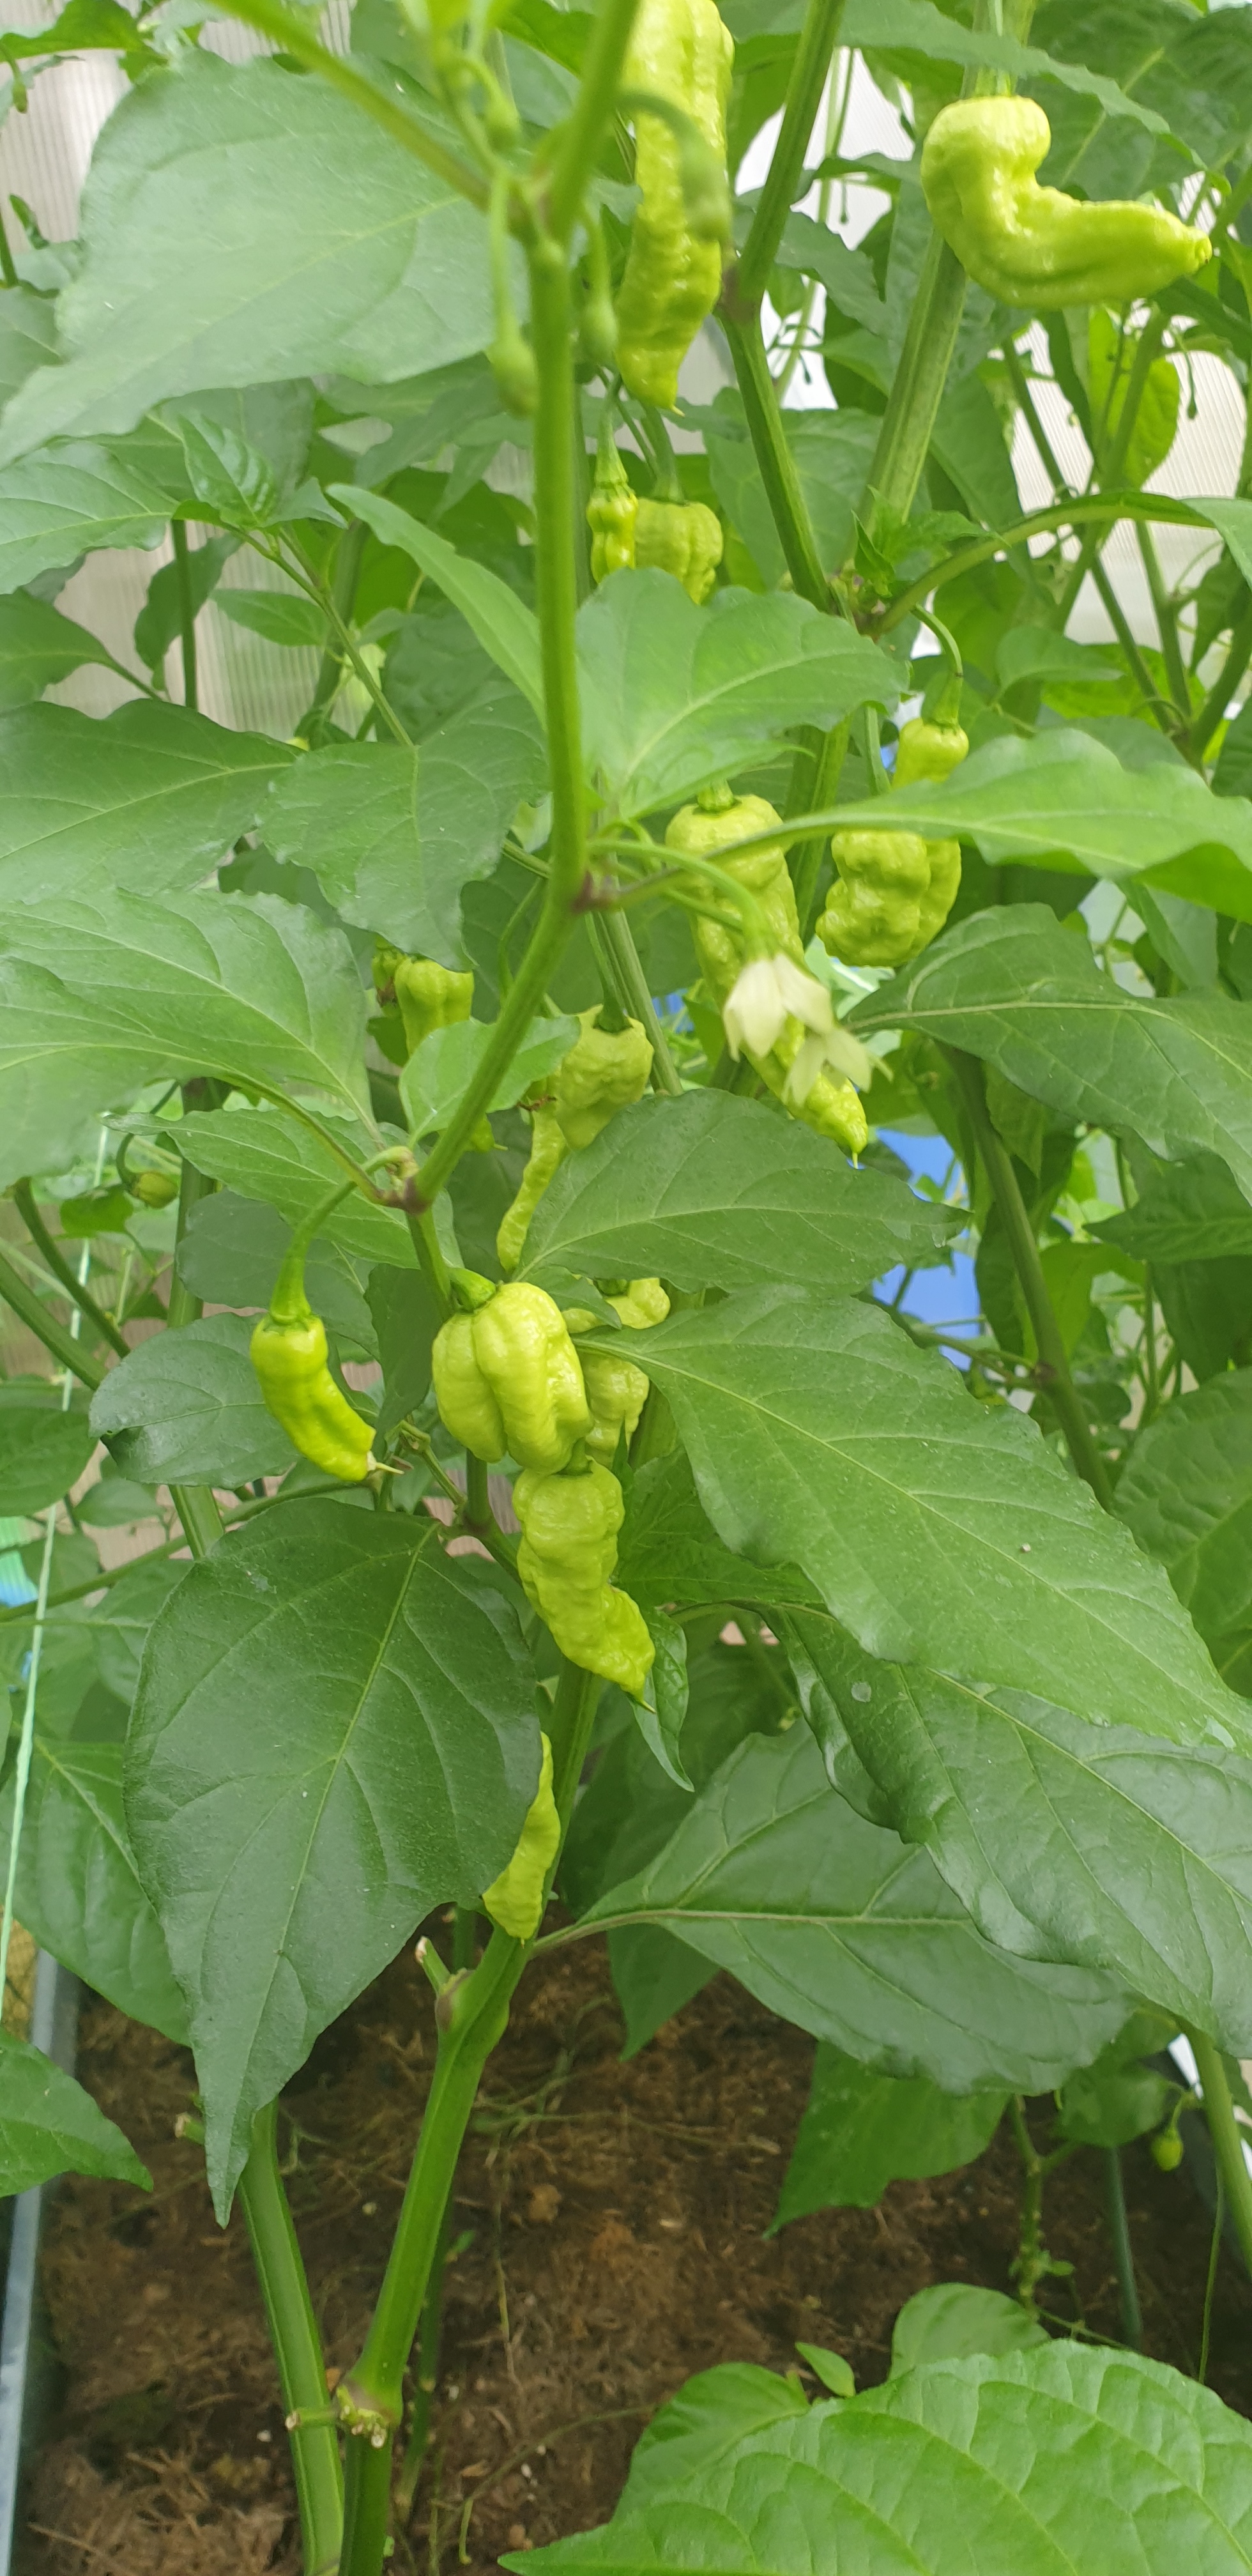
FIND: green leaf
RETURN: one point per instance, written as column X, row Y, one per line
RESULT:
column 159, row 623
column 505, row 627
column 38, row 647
column 68, row 501
column 186, row 1409
column 830, row 2367
column 1117, row 2098
column 394, row 835
column 149, row 798
column 227, row 236
column 670, row 1551
column 406, row 1318
column 712, row 1191
column 42, row 1454
column 262, row 1155
column 1039, row 653
column 921, row 29
column 694, row 2432
column 1020, row 1804
column 233, row 1249
column 838, row 1926
column 49, row 2126
column 334, row 1732
column 100, row 999
column 27, row 336
column 675, row 696
column 281, row 616
column 1015, row 988
column 439, row 1070
column 78, row 1890
column 1063, row 800
column 1186, row 1492
column 1190, row 1211
column 952, row 2319
column 832, row 450
column 937, row 1532
column 121, row 1623
column 949, row 2466
column 662, row 1708
column 227, row 475
column 862, row 2130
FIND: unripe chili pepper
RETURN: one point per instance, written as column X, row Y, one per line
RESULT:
column 153, row 1189
column 548, row 1150
column 894, row 889
column 567, row 1554
column 507, row 1378
column 681, row 52
column 1028, row 245
column 611, row 512
column 605, row 1070
column 430, row 996
column 616, row 1390
column 289, row 1355
column 681, row 537
column 514, row 1900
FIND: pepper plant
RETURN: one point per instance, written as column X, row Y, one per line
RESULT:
column 541, row 1025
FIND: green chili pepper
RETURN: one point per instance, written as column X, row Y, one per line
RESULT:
column 289, row 1356
column 682, row 537
column 507, row 1378
column 605, row 1070
column 681, row 52
column 894, row 890
column 611, row 511
column 1030, row 245
column 515, row 1899
column 616, row 1389
column 567, row 1553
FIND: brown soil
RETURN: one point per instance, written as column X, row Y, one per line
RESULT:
column 617, row 2216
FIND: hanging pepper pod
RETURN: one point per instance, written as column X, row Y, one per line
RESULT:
column 605, row 1070
column 514, row 1900
column 507, row 1378
column 683, row 538
column 680, row 53
column 612, row 509
column 895, row 889
column 616, row 1390
column 567, row 1554
column 548, row 1150
column 289, row 1355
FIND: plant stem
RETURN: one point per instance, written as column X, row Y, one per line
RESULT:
column 917, row 386
column 818, row 39
column 1111, row 466
column 1154, row 506
column 1123, row 2258
column 186, row 612
column 557, row 597
column 80, row 1296
column 775, row 462
column 1227, row 2137
column 348, row 555
column 56, row 1338
column 293, row 35
column 580, row 138
column 815, row 774
column 1053, row 1361
column 429, row 2330
column 297, row 2346
column 1166, row 622
column 194, row 1504
column 619, row 941
column 1204, row 724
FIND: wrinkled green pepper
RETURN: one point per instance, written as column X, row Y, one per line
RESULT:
column 289, row 1354
column 1028, row 245
column 567, row 1554
column 611, row 514
column 507, row 1378
column 617, row 1390
column 679, row 50
column 683, row 538
column 605, row 1070
column 514, row 1900
column 894, row 889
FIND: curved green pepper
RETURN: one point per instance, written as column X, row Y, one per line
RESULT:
column 507, row 1379
column 514, row 1900
column 1030, row 245
column 548, row 1150
column 680, row 50
column 894, row 890
column 611, row 513
column 567, row 1553
column 605, row 1070
column 289, row 1354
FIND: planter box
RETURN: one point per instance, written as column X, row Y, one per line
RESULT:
column 27, row 2362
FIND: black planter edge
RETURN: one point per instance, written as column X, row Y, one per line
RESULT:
column 25, row 2352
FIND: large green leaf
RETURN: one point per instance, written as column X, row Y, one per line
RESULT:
column 38, row 647
column 148, row 799
column 505, row 627
column 712, row 1191
column 227, row 236
column 952, row 2319
column 392, row 835
column 1186, row 1492
column 1016, row 988
column 232, row 1251
column 670, row 1551
column 838, row 1926
column 67, row 501
column 42, row 1453
column 1053, row 2462
column 1061, row 799
column 1189, row 1211
column 334, row 1731
column 186, row 1409
column 264, row 1156
column 78, row 1890
column 916, row 27
column 48, row 2125
column 832, row 450
column 1021, row 1804
column 675, row 696
column 822, row 1437
column 862, row 2130
column 102, row 998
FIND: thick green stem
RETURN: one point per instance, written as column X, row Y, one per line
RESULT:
column 818, row 39
column 1205, row 724
column 1053, row 1361
column 297, row 2346
column 429, row 2333
column 557, row 599
column 56, row 1337
column 917, row 386
column 775, row 462
column 80, row 1296
column 619, row 941
column 1123, row 2258
column 580, row 138
column 1227, row 2137
column 186, row 612
column 815, row 775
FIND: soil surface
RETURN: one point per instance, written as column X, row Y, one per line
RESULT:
column 611, row 2222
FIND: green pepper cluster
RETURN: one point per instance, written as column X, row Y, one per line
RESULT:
column 894, row 890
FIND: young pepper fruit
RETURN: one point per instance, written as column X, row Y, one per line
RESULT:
column 681, row 537
column 1030, row 245
column 567, row 1553
column 289, row 1355
column 894, row 890
column 611, row 511
column 830, row 1106
column 680, row 50
column 616, row 1390
column 507, row 1377
column 605, row 1070
column 514, row 1900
